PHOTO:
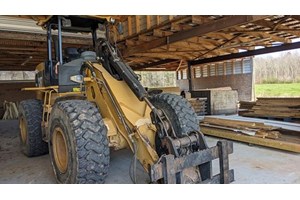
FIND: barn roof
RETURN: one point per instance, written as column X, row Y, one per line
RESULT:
column 164, row 42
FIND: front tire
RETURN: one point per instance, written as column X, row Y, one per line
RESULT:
column 78, row 143
column 180, row 112
column 184, row 121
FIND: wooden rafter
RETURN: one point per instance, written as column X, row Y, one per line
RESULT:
column 208, row 27
column 278, row 28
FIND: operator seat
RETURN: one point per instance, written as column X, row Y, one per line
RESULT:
column 71, row 53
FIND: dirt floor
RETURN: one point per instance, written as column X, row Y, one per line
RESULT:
column 252, row 164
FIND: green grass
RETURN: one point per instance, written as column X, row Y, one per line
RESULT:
column 277, row 90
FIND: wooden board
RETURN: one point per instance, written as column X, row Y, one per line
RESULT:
column 253, row 132
column 278, row 144
column 287, row 126
column 274, row 107
column 237, row 123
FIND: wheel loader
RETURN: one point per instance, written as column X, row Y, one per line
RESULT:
column 90, row 102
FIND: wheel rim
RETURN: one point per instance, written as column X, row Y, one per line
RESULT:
column 60, row 150
column 23, row 130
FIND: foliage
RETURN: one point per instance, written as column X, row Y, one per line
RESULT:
column 158, row 79
column 277, row 90
column 284, row 68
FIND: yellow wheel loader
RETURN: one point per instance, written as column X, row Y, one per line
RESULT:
column 91, row 102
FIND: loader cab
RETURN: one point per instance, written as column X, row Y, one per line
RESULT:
column 65, row 61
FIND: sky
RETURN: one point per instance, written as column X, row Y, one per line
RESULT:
column 277, row 54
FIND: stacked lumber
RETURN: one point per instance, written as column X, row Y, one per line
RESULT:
column 274, row 108
column 10, row 110
column 199, row 105
column 247, row 105
column 252, row 132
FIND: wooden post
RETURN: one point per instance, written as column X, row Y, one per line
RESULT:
column 129, row 26
column 158, row 19
column 189, row 76
column 148, row 21
column 137, row 23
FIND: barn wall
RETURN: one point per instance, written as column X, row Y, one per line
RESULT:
column 237, row 74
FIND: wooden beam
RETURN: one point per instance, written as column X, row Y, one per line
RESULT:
column 157, row 19
column 259, row 34
column 164, row 55
column 41, row 38
column 161, row 25
column 160, row 68
column 266, row 50
column 146, row 38
column 179, row 66
column 138, row 23
column 296, row 17
column 180, row 27
column 262, row 34
column 132, row 42
column 22, row 48
column 25, row 52
column 129, row 21
column 189, row 76
column 139, row 59
column 208, row 27
column 196, row 19
column 153, row 64
column 227, row 36
column 148, row 21
column 20, row 43
column 296, row 31
column 161, row 33
column 191, row 45
column 219, row 46
column 284, row 28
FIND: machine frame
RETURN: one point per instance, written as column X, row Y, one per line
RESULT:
column 135, row 127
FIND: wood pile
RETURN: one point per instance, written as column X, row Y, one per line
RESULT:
column 247, row 105
column 199, row 105
column 10, row 110
column 274, row 108
column 253, row 132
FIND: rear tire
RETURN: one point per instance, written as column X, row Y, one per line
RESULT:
column 78, row 143
column 30, row 119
